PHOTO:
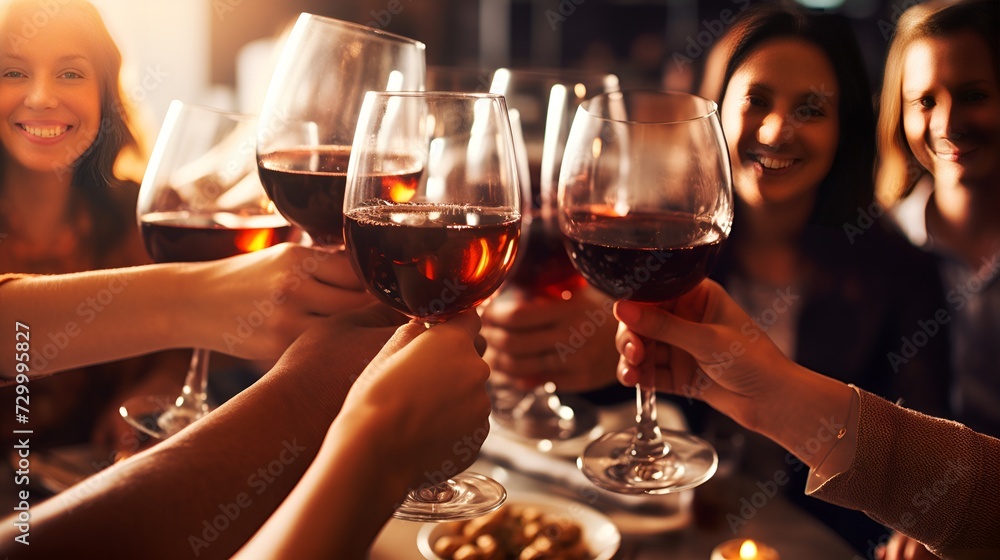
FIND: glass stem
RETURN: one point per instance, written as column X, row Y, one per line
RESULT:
column 195, row 392
column 538, row 403
column 648, row 439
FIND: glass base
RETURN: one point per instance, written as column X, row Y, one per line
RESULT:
column 465, row 496
column 158, row 416
column 685, row 461
column 561, row 418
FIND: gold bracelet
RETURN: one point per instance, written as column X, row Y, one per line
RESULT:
column 843, row 429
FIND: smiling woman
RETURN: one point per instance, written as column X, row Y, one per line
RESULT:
column 63, row 126
column 796, row 110
column 939, row 141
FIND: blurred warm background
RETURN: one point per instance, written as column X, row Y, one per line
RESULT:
column 218, row 52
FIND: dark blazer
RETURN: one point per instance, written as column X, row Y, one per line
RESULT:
column 864, row 299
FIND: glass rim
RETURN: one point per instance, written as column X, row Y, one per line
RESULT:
column 556, row 72
column 445, row 94
column 180, row 105
column 712, row 106
column 304, row 16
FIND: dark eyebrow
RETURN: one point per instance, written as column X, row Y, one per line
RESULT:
column 760, row 87
column 802, row 96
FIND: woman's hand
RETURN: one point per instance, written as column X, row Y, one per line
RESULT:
column 416, row 416
column 901, row 547
column 423, row 398
column 254, row 305
column 535, row 340
column 713, row 351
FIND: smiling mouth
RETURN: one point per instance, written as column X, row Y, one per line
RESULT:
column 44, row 131
column 772, row 163
column 954, row 156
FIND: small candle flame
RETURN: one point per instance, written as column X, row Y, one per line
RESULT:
column 748, row 550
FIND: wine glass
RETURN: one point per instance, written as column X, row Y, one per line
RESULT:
column 200, row 200
column 432, row 219
column 546, row 100
column 311, row 108
column 645, row 201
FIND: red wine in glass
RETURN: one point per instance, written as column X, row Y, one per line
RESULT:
column 543, row 268
column 446, row 244
column 431, row 261
column 180, row 237
column 648, row 257
column 307, row 187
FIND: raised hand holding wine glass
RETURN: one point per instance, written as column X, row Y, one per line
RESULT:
column 645, row 200
column 546, row 100
column 311, row 109
column 200, row 200
column 432, row 222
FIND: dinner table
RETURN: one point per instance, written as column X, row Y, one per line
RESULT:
column 686, row 525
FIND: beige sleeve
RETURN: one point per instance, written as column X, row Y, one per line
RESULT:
column 932, row 479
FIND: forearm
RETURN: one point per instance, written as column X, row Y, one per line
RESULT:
column 85, row 318
column 205, row 491
column 804, row 413
column 341, row 502
column 926, row 477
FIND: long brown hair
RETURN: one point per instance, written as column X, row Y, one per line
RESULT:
column 898, row 170
column 848, row 185
column 93, row 170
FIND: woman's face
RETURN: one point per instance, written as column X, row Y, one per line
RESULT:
column 780, row 119
column 951, row 108
column 50, row 99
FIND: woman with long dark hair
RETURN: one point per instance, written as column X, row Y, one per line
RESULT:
column 809, row 257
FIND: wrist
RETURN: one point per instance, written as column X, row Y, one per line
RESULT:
column 807, row 414
column 185, row 305
column 363, row 434
column 162, row 300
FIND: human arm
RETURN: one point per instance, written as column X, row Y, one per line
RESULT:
column 239, row 462
column 901, row 547
column 888, row 455
column 532, row 340
column 391, row 431
column 251, row 306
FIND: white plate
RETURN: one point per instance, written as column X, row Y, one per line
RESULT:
column 599, row 533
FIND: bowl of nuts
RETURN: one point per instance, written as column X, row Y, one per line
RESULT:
column 527, row 527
